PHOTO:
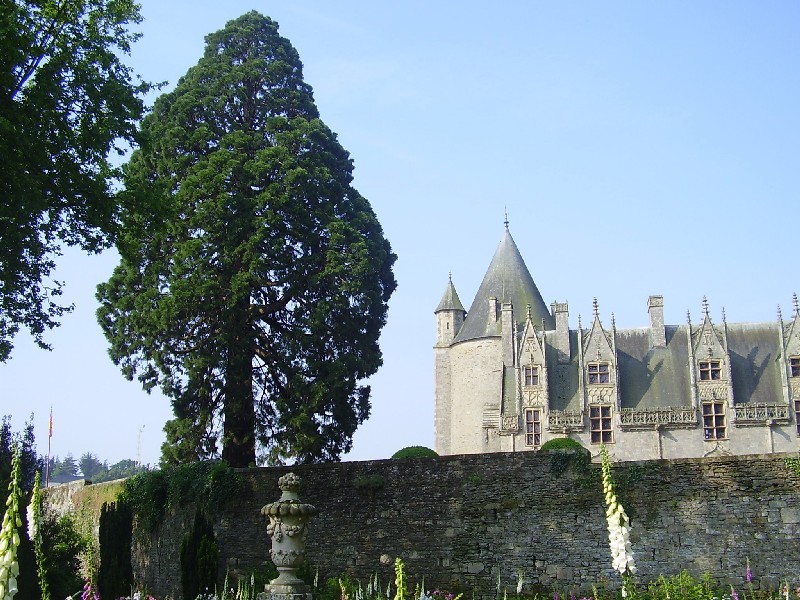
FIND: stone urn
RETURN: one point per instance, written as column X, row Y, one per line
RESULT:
column 288, row 526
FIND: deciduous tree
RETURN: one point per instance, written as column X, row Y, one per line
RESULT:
column 66, row 101
column 255, row 291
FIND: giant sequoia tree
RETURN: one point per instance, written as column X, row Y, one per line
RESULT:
column 65, row 100
column 255, row 289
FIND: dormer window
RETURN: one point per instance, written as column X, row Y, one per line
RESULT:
column 709, row 370
column 598, row 372
column 531, row 375
column 794, row 366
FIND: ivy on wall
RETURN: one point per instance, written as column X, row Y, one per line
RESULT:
column 793, row 465
column 208, row 484
column 579, row 461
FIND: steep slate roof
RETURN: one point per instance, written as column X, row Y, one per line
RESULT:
column 450, row 299
column 659, row 377
column 563, row 378
column 754, row 349
column 506, row 279
column 653, row 377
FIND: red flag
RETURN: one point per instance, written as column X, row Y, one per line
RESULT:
column 51, row 423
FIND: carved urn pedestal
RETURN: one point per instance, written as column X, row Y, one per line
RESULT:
column 288, row 526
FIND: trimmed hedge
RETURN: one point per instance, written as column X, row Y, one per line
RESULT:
column 562, row 444
column 414, row 452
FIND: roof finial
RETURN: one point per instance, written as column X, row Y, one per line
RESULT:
column 613, row 321
column 705, row 306
column 450, row 276
column 579, row 322
column 724, row 320
column 594, row 306
column 688, row 317
column 796, row 308
column 780, row 314
column 530, row 317
column 506, row 221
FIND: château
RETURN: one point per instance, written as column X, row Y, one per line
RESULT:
column 510, row 375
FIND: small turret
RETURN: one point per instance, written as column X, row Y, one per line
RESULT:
column 449, row 316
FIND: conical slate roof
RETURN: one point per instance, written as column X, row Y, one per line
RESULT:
column 450, row 300
column 507, row 279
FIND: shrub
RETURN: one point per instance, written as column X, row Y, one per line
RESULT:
column 199, row 559
column 562, row 444
column 115, row 576
column 63, row 545
column 415, row 452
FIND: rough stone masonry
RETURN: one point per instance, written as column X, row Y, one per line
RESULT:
column 466, row 522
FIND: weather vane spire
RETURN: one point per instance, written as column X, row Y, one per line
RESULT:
column 505, row 208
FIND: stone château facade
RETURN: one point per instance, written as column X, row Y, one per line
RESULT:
column 510, row 374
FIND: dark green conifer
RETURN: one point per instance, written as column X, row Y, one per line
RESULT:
column 254, row 290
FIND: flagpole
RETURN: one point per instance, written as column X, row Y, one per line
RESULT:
column 49, row 437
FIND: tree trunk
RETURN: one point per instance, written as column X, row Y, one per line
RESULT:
column 238, row 440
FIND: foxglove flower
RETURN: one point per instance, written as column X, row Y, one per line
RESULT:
column 9, row 536
column 618, row 526
column 34, row 519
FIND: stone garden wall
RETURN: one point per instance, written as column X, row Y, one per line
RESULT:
column 465, row 522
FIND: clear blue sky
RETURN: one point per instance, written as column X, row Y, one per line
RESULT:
column 639, row 147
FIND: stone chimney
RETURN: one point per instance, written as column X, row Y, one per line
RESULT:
column 560, row 312
column 507, row 333
column 658, row 336
column 493, row 310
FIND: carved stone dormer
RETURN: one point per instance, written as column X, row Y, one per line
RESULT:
column 710, row 366
column 599, row 364
column 791, row 351
column 711, row 362
column 532, row 366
